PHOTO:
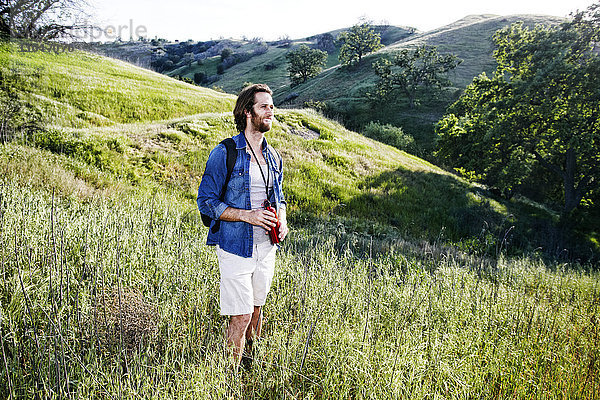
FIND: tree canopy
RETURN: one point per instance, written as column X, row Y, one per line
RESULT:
column 407, row 71
column 42, row 19
column 305, row 63
column 359, row 41
column 535, row 125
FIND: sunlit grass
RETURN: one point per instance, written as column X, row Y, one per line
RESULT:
column 82, row 89
column 394, row 283
column 342, row 320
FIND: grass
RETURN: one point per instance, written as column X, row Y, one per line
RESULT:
column 81, row 89
column 399, row 280
column 341, row 174
column 341, row 321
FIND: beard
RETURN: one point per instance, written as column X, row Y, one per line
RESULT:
column 259, row 124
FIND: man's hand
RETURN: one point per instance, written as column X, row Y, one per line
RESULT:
column 283, row 227
column 283, row 230
column 260, row 217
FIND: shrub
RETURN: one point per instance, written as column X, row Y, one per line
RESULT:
column 391, row 135
column 199, row 77
column 290, row 97
column 316, row 105
column 226, row 53
column 262, row 49
column 126, row 315
column 325, row 42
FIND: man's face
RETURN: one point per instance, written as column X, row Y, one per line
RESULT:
column 261, row 115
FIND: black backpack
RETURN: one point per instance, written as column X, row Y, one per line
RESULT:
column 231, row 147
column 231, row 159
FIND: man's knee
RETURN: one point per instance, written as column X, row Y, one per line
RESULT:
column 241, row 321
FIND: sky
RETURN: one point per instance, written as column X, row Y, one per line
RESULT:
column 271, row 19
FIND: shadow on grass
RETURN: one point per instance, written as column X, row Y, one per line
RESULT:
column 441, row 209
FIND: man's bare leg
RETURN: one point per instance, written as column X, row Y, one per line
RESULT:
column 236, row 335
column 252, row 333
column 255, row 324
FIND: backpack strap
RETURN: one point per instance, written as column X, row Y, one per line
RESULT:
column 231, row 159
column 231, row 148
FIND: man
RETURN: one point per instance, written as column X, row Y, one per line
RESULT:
column 245, row 252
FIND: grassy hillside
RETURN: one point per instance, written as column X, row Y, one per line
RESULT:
column 270, row 67
column 395, row 281
column 119, row 299
column 331, row 171
column 344, row 89
column 82, row 89
column 469, row 38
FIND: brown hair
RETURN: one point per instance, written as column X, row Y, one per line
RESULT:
column 245, row 102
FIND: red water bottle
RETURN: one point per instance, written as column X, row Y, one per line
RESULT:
column 274, row 231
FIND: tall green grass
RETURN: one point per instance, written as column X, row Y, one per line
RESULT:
column 80, row 89
column 337, row 172
column 108, row 291
column 343, row 320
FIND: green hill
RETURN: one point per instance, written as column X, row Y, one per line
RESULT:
column 132, row 135
column 83, row 89
column 344, row 90
column 395, row 282
column 258, row 61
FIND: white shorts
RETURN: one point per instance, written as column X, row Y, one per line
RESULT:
column 245, row 282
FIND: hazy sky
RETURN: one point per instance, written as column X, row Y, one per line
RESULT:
column 270, row 19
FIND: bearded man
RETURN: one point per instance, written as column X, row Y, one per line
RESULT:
column 247, row 208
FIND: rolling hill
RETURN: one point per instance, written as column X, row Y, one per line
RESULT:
column 117, row 124
column 342, row 91
column 396, row 282
column 469, row 38
column 255, row 60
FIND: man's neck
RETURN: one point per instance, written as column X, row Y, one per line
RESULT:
column 254, row 138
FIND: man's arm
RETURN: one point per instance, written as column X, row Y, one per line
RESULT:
column 209, row 191
column 283, row 228
column 263, row 218
column 260, row 217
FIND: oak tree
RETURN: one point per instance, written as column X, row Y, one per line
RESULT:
column 538, row 116
column 42, row 19
column 359, row 41
column 409, row 70
column 305, row 63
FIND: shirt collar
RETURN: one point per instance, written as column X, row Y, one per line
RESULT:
column 240, row 141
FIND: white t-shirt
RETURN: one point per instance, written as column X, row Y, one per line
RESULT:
column 258, row 195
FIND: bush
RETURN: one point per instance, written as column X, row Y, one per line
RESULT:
column 316, row 105
column 391, row 135
column 226, row 53
column 262, row 49
column 325, row 42
column 199, row 77
column 291, row 97
column 183, row 79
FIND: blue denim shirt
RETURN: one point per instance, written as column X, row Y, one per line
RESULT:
column 234, row 237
